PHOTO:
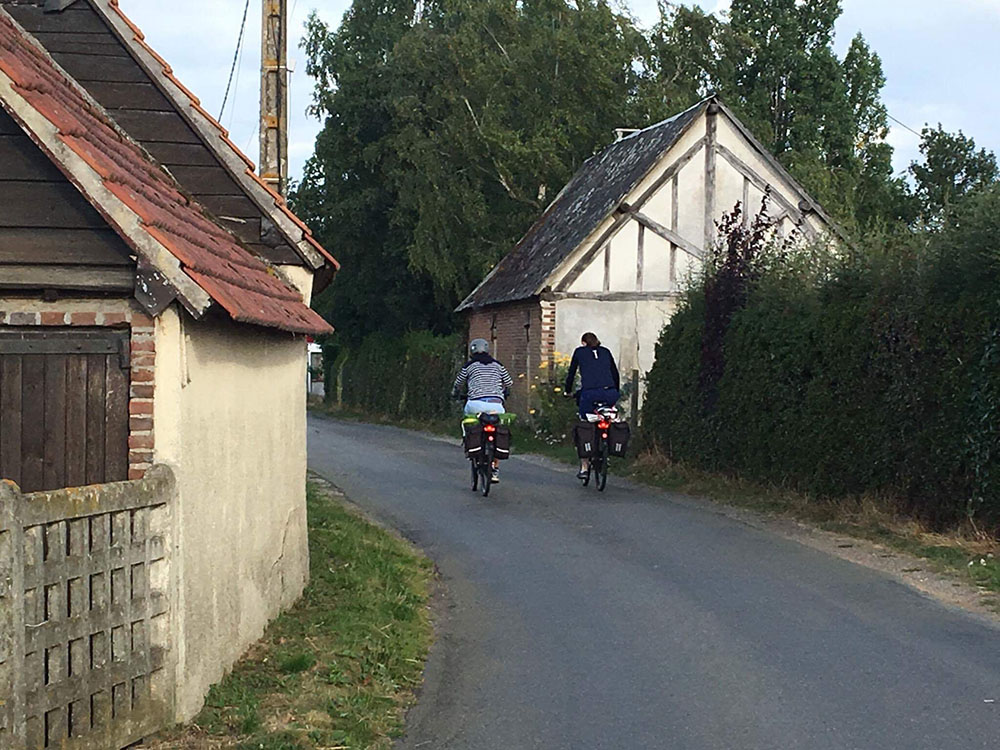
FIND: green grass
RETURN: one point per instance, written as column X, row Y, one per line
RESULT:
column 340, row 667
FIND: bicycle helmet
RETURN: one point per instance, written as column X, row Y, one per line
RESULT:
column 479, row 346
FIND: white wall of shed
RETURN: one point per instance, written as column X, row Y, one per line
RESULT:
column 229, row 415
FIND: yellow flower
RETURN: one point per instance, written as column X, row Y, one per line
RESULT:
column 543, row 365
column 531, row 411
column 521, row 375
column 533, row 386
column 557, row 389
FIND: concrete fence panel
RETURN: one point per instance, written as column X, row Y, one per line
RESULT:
column 84, row 614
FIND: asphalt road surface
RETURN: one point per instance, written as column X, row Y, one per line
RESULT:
column 634, row 619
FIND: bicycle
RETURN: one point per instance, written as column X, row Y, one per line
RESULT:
column 485, row 440
column 602, row 418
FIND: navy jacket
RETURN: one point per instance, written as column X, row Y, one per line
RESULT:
column 597, row 369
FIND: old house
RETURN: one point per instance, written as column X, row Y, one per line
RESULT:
column 154, row 308
column 611, row 252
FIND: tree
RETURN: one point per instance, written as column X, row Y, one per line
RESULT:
column 773, row 62
column 344, row 194
column 501, row 103
column 953, row 169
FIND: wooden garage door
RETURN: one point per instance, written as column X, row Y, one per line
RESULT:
column 63, row 407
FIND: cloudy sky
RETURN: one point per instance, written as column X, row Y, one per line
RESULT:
column 940, row 60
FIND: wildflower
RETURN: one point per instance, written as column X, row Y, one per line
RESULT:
column 531, row 411
column 521, row 375
column 533, row 386
column 557, row 389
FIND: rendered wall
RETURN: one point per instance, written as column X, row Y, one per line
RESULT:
column 230, row 421
column 628, row 329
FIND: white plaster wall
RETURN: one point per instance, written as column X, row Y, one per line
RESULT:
column 629, row 329
column 656, row 264
column 624, row 258
column 732, row 139
column 229, row 417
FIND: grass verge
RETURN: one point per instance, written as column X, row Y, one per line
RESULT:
column 337, row 670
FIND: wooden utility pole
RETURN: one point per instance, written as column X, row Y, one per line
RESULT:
column 274, row 95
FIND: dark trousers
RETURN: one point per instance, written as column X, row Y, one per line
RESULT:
column 593, row 396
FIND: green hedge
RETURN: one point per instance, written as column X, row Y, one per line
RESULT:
column 409, row 376
column 876, row 372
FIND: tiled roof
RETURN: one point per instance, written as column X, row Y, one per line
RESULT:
column 137, row 39
column 599, row 187
column 248, row 289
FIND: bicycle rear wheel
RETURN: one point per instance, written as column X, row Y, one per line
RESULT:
column 486, row 471
column 602, row 472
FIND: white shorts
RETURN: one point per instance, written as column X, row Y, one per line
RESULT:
column 483, row 407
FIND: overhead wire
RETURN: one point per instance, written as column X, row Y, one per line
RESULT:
column 236, row 57
column 904, row 125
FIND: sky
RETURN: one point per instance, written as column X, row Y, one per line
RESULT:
column 939, row 56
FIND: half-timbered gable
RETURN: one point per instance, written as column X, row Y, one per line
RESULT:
column 613, row 250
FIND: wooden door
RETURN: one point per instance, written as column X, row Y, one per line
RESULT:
column 63, row 407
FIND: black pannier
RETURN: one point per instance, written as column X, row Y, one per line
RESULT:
column 472, row 439
column 618, row 436
column 584, row 437
column 502, row 441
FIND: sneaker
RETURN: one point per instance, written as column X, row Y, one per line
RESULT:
column 582, row 474
column 496, row 475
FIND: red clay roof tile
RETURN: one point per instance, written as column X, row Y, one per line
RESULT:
column 242, row 284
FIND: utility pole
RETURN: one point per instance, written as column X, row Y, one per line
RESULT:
column 274, row 95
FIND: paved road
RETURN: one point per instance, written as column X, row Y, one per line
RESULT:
column 634, row 620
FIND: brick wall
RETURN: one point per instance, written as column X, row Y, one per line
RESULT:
column 515, row 334
column 120, row 314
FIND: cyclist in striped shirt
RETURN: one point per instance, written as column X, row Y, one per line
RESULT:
column 485, row 383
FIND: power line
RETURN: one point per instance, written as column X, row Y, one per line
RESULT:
column 904, row 125
column 236, row 57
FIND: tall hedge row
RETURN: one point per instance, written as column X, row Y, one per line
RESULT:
column 867, row 370
column 408, row 376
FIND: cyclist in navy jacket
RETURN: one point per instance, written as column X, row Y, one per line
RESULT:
column 600, row 382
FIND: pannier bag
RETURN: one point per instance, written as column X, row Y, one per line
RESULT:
column 584, row 438
column 472, row 438
column 618, row 436
column 502, row 441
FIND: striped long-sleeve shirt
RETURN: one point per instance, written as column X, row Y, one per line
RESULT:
column 483, row 378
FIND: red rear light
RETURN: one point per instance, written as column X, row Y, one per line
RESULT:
column 604, row 435
column 490, row 428
column 490, row 438
column 603, row 425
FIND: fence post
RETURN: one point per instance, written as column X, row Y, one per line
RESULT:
column 12, row 724
column 635, row 397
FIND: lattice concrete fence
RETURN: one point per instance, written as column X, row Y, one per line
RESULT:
column 84, row 615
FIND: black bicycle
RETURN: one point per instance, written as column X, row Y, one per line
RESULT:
column 480, row 447
column 597, row 466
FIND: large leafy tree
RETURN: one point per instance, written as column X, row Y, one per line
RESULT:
column 501, row 102
column 345, row 194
